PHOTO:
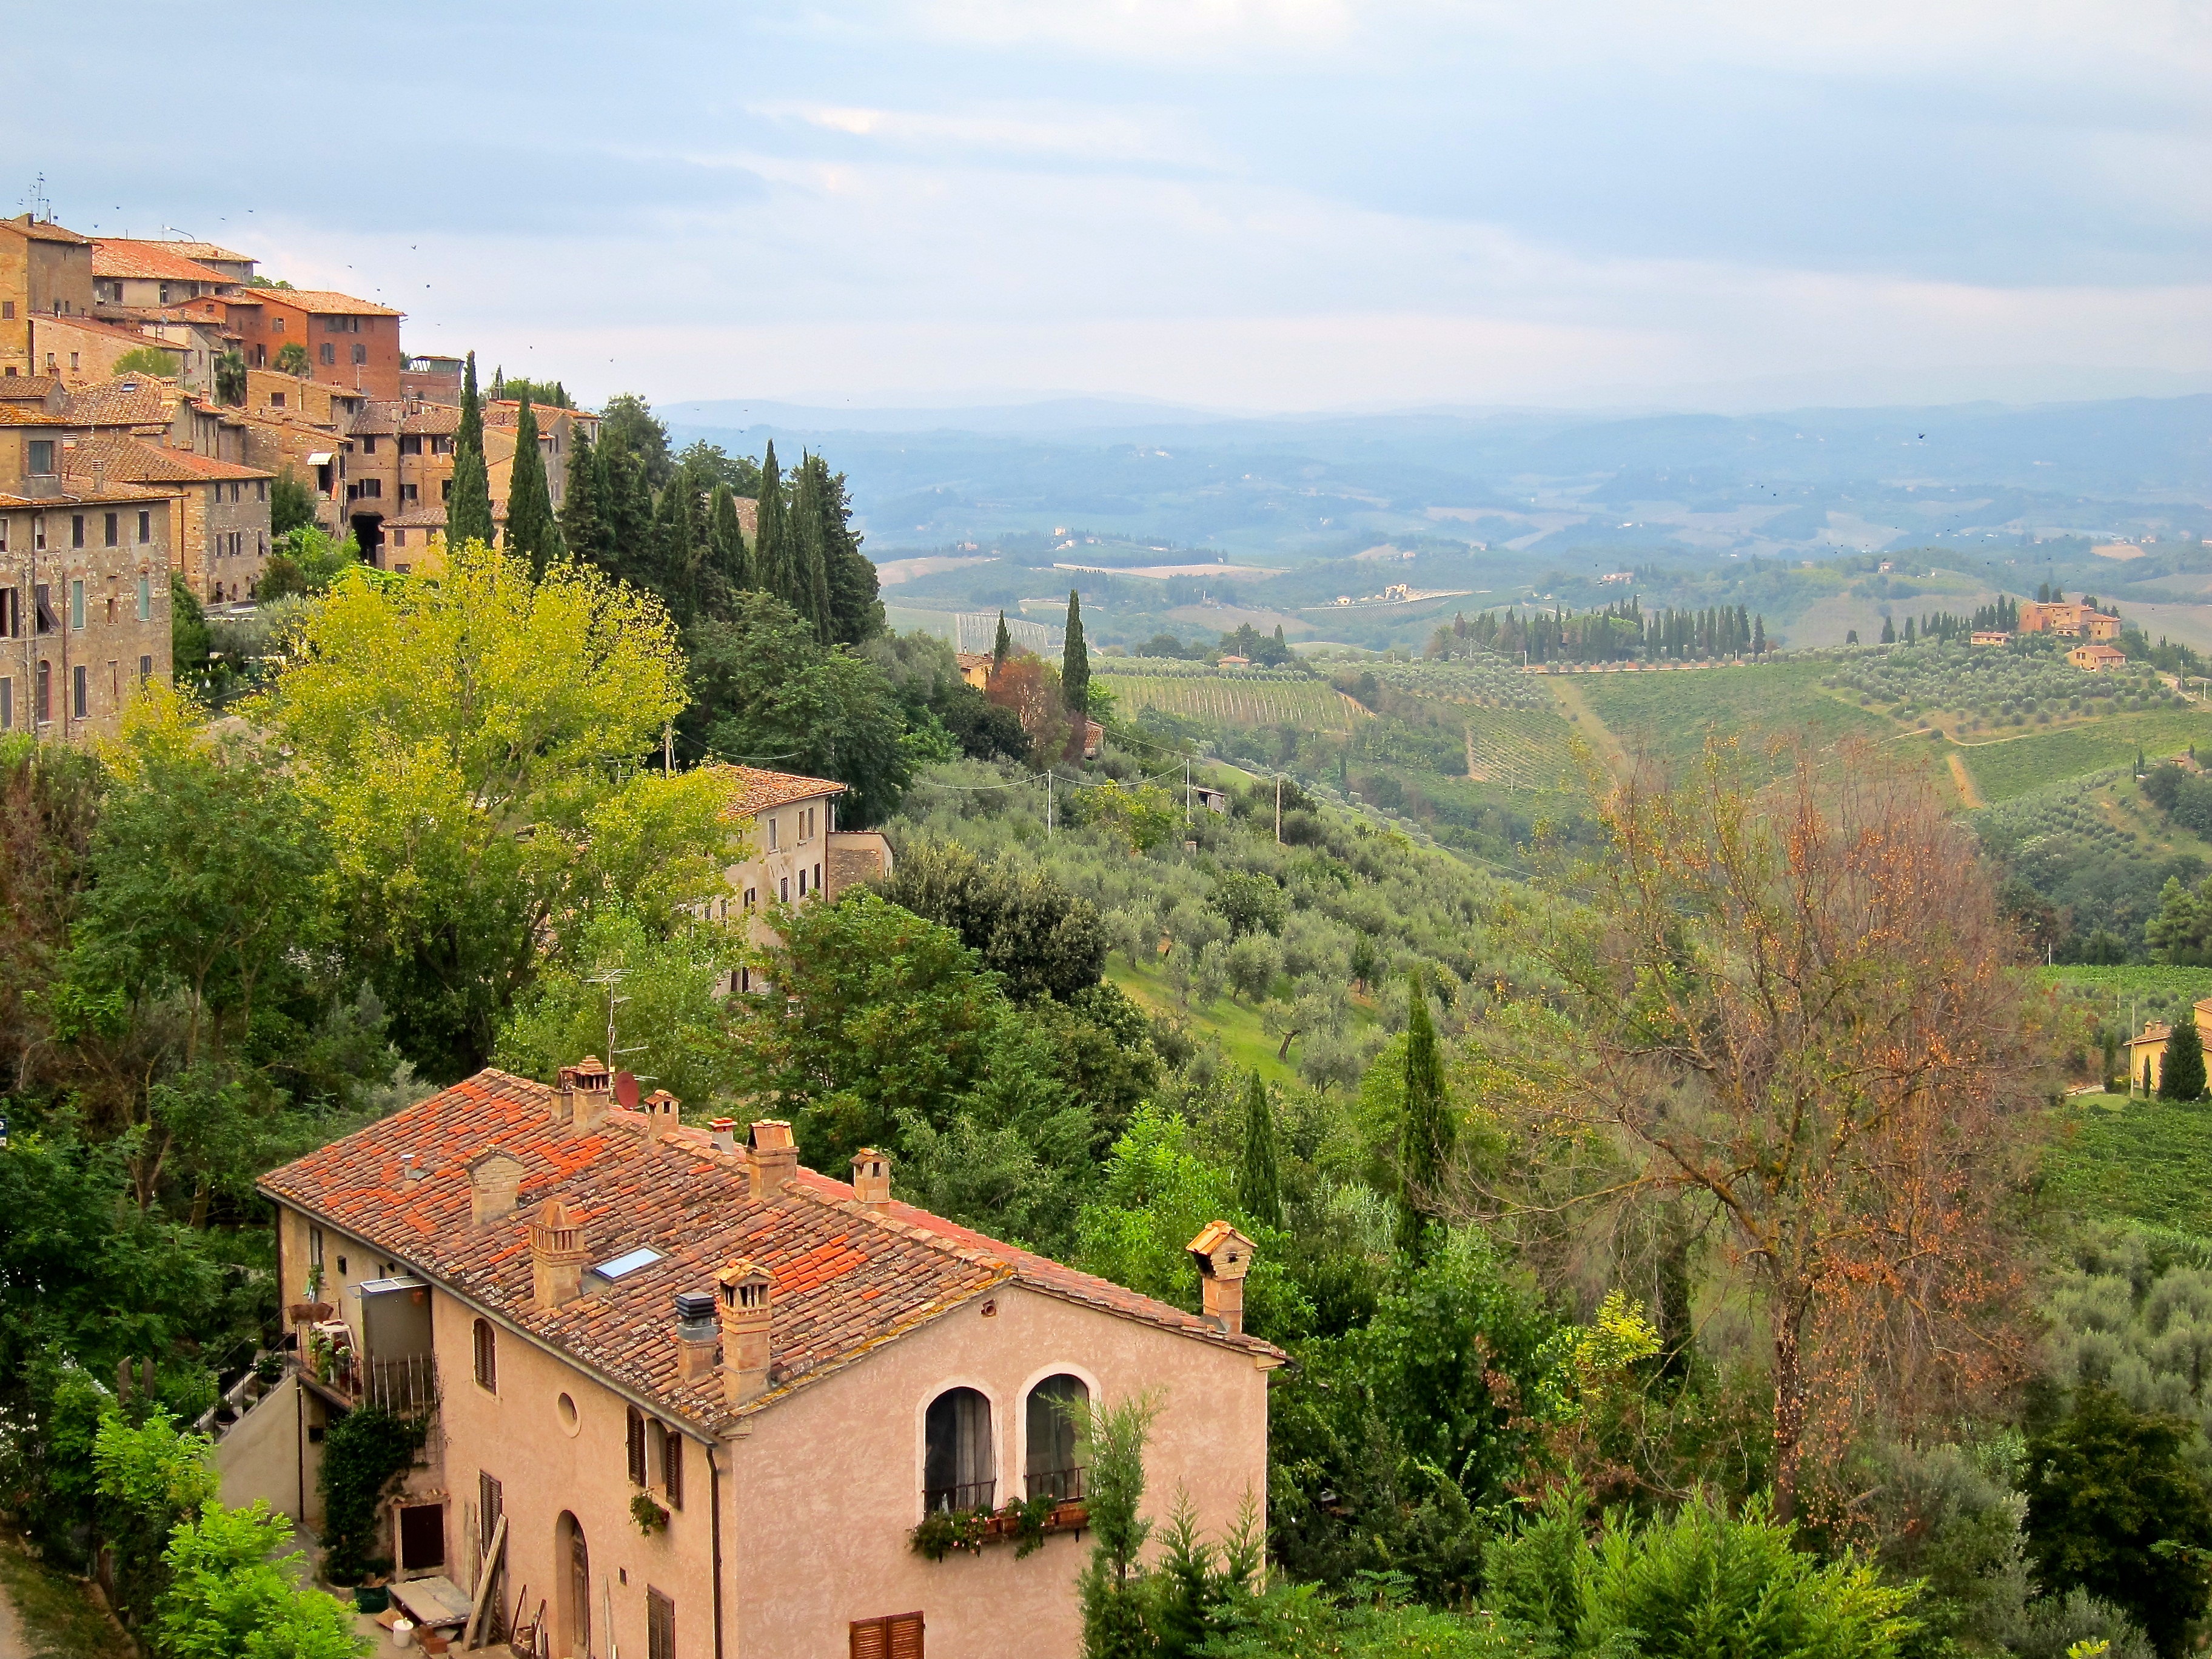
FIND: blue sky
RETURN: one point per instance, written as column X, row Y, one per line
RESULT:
column 1255, row 205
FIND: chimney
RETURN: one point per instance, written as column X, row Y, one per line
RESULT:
column 695, row 1335
column 744, row 1309
column 581, row 1102
column 1224, row 1257
column 662, row 1111
column 556, row 1256
column 872, row 1178
column 725, row 1133
column 774, row 1156
column 495, row 1186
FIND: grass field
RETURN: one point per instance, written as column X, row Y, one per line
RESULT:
column 2133, row 980
column 2140, row 1160
column 1228, row 700
column 1521, row 749
column 1244, row 1041
column 1670, row 715
column 2014, row 766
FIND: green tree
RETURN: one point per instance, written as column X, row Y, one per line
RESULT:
column 1111, row 1589
column 1075, row 663
column 531, row 530
column 1259, row 1182
column 583, row 527
column 473, row 744
column 2115, row 1508
column 291, row 505
column 1425, row 1148
column 151, row 1479
column 152, row 360
column 230, row 378
column 629, row 424
column 2181, row 1069
column 765, row 693
column 189, row 639
column 773, row 561
column 235, row 1593
column 856, row 608
column 1002, row 645
column 292, row 359
column 732, row 560
column 365, row 1453
column 1040, row 939
column 468, row 506
column 808, row 542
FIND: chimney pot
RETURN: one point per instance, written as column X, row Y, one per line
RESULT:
column 744, row 1293
column 872, row 1178
column 774, row 1157
column 1224, row 1257
column 697, row 1334
column 581, row 1101
column 725, row 1132
column 556, row 1256
column 662, row 1111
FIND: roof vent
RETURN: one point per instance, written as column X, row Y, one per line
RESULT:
column 697, row 1333
column 872, row 1178
column 724, row 1130
column 556, row 1256
column 744, row 1295
column 662, row 1111
column 581, row 1102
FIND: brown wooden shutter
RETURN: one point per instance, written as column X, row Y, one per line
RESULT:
column 636, row 1447
column 895, row 1635
column 906, row 1636
column 672, row 1456
column 659, row 1625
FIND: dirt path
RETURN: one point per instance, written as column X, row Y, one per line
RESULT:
column 1969, row 797
column 12, row 1644
column 1592, row 730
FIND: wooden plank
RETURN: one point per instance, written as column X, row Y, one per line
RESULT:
column 485, row 1574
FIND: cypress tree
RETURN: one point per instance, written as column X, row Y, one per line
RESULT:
column 1003, row 646
column 1075, row 663
column 673, row 555
column 728, row 540
column 626, row 513
column 1259, row 1182
column 582, row 527
column 770, row 554
column 1888, row 631
column 468, row 509
column 856, row 609
column 2181, row 1068
column 1426, row 1146
column 809, row 558
column 531, row 531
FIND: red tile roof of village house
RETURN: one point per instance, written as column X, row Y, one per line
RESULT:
column 324, row 302
column 127, row 460
column 80, row 497
column 505, row 411
column 14, row 414
column 27, row 388
column 45, row 230
column 753, row 790
column 201, row 251
column 383, row 415
column 149, row 260
column 847, row 1279
column 134, row 400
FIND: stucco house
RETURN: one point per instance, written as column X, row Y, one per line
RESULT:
column 688, row 1399
column 791, row 849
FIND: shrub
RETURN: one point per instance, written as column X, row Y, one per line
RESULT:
column 363, row 1453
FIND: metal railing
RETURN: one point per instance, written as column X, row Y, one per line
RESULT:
column 404, row 1386
column 1062, row 1485
column 974, row 1495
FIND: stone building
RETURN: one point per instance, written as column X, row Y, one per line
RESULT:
column 134, row 277
column 690, row 1400
column 45, row 269
column 350, row 343
column 220, row 526
column 786, row 825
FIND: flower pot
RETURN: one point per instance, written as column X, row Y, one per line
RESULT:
column 371, row 1598
column 1070, row 1514
column 403, row 1633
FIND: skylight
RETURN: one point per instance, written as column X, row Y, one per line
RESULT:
column 628, row 1263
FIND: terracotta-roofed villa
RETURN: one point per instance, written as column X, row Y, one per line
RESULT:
column 690, row 1399
column 794, row 850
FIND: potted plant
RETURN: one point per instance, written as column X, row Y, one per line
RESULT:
column 1070, row 1515
column 314, row 1307
column 943, row 1531
column 1023, row 1521
column 649, row 1515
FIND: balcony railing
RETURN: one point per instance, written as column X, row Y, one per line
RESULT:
column 1062, row 1485
column 976, row 1495
column 406, row 1386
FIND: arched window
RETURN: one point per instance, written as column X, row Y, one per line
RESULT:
column 486, row 1343
column 1054, row 1405
column 957, row 1469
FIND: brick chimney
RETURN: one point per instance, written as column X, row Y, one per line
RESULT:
column 581, row 1101
column 556, row 1255
column 774, row 1157
column 695, row 1335
column 1224, row 1257
column 724, row 1130
column 662, row 1111
column 872, row 1178
column 495, row 1186
column 743, row 1306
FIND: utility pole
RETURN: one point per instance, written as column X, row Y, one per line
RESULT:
column 1186, row 796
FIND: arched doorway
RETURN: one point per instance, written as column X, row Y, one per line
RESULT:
column 572, row 1577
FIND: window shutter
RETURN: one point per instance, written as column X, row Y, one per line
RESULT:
column 659, row 1625
column 671, row 1458
column 636, row 1447
column 905, row 1636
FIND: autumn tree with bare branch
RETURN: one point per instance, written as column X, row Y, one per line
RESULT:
column 1800, row 1006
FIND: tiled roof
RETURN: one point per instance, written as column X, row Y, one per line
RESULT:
column 846, row 1279
column 113, row 330
column 133, row 400
column 185, row 249
column 322, row 302
column 27, row 388
column 129, row 461
column 383, row 415
column 83, row 497
column 753, row 790
column 505, row 411
column 45, row 230
column 428, row 515
column 148, row 259
column 14, row 414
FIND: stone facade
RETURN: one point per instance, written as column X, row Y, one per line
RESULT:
column 43, row 268
column 84, row 607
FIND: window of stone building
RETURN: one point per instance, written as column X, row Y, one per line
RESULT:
column 11, row 611
column 145, row 528
column 276, row 400
column 80, row 692
column 485, row 1343
column 635, row 1447
column 369, row 444
column 42, row 606
column 895, row 1635
column 330, row 352
column 110, row 529
column 45, row 698
column 410, row 443
column 276, row 324
column 261, row 490
column 7, row 311
column 77, row 530
column 7, row 704
column 145, row 670
column 75, row 359
column 783, row 889
column 408, row 493
column 77, row 596
column 41, row 453
column 360, row 353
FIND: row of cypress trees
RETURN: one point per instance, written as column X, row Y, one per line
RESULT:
column 683, row 541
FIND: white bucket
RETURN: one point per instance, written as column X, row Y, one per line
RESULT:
column 403, row 1633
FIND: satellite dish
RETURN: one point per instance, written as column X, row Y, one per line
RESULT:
column 626, row 1090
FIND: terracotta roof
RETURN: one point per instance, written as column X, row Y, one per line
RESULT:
column 132, row 400
column 426, row 516
column 188, row 250
column 322, row 302
column 15, row 414
column 505, row 411
column 753, row 790
column 384, row 414
column 114, row 331
column 80, row 497
column 45, row 230
column 150, row 260
column 27, row 388
column 847, row 1279
column 127, row 460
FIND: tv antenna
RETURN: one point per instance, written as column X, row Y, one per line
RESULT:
column 35, row 199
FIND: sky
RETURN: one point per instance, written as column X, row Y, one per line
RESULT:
column 1254, row 205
